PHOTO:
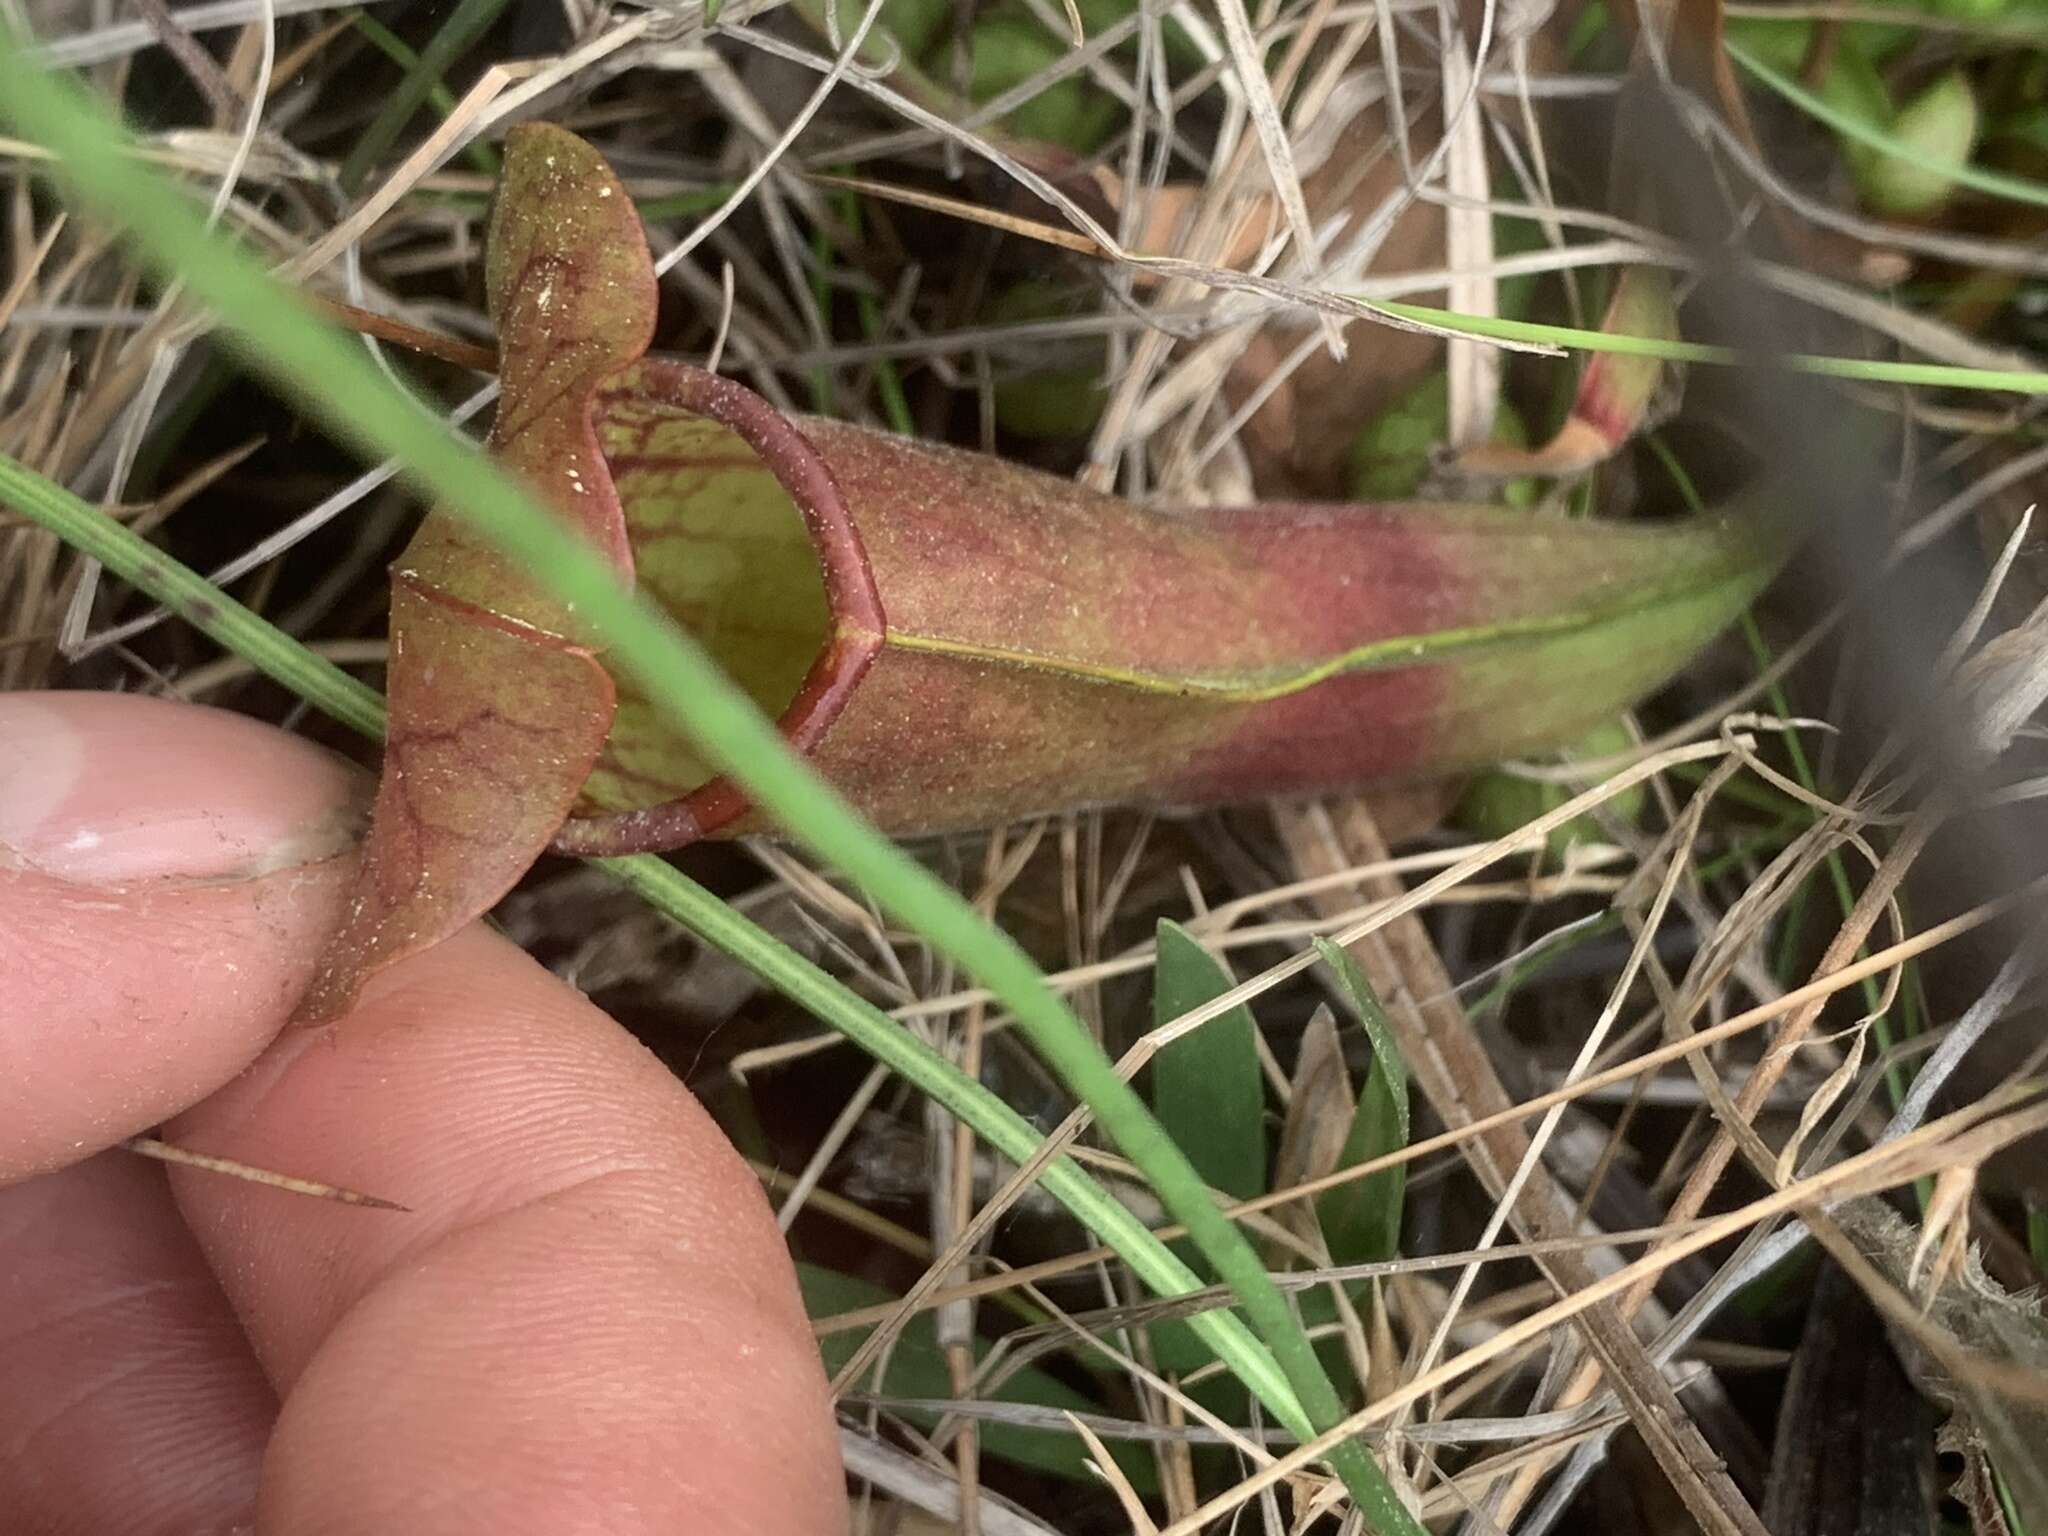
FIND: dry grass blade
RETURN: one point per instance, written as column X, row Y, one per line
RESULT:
column 1167, row 268
column 1813, row 992
column 1299, row 1280
column 1396, row 906
column 1680, row 844
column 1963, row 1138
column 1257, row 95
column 1473, row 373
column 198, row 64
column 1874, row 903
column 906, row 1478
column 973, row 213
column 165, row 1152
column 114, row 41
column 1126, row 1496
column 1455, row 1074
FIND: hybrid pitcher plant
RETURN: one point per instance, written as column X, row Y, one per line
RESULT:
column 951, row 639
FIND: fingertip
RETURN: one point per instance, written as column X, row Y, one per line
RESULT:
column 566, row 1366
column 116, row 791
column 166, row 873
column 586, row 1320
column 117, row 1010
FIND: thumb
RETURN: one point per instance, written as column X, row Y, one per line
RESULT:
column 164, row 890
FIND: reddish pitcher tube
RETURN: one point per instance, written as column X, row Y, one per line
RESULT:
column 995, row 641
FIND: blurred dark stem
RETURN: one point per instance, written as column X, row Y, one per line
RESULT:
column 1833, row 494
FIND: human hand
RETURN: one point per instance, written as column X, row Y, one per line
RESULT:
column 585, row 1322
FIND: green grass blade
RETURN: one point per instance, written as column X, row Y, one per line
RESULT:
column 332, row 376
column 1992, row 183
column 439, row 97
column 458, row 34
column 671, row 892
column 193, row 598
column 1865, row 370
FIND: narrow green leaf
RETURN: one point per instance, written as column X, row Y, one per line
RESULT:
column 1207, row 1092
column 1362, row 1220
column 471, row 19
column 1206, row 1088
column 439, row 97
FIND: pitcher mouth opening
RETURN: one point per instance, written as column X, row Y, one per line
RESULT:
column 740, row 533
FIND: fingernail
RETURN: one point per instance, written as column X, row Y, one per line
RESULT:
column 111, row 789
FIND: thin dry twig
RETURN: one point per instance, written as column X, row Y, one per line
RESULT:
column 184, row 1157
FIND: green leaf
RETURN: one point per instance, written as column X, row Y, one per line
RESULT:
column 1362, row 1220
column 1207, row 1093
column 1498, row 802
column 1939, row 127
column 1206, row 1088
column 917, row 1368
column 2018, row 189
column 1073, row 112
